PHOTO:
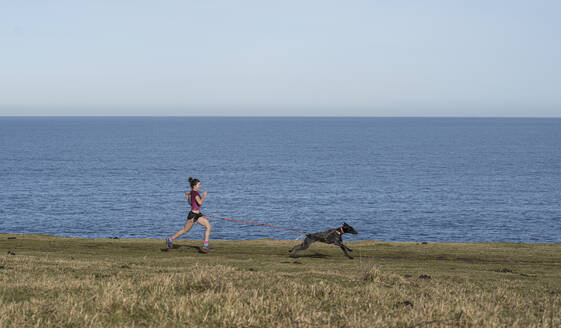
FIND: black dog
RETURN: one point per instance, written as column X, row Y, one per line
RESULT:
column 331, row 236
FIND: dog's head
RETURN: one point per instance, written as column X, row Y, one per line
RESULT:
column 348, row 229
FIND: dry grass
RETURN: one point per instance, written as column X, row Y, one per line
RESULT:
column 68, row 282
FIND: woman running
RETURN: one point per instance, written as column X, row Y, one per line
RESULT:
column 195, row 215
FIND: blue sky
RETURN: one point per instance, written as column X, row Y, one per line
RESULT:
column 350, row 58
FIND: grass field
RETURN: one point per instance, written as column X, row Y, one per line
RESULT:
column 70, row 282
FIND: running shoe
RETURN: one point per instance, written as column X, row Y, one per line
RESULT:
column 168, row 242
column 208, row 248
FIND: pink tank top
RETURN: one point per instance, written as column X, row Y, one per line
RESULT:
column 194, row 205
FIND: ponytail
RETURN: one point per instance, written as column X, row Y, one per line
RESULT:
column 193, row 182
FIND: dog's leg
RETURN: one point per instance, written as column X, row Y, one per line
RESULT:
column 294, row 248
column 339, row 242
column 307, row 242
column 345, row 251
column 344, row 248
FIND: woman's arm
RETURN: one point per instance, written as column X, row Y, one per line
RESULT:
column 188, row 196
column 201, row 200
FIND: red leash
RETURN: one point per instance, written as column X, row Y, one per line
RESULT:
column 255, row 223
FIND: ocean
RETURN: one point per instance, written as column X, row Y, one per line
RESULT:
column 392, row 179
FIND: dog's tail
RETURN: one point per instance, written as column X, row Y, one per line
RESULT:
column 302, row 236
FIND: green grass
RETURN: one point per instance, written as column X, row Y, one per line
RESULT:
column 71, row 282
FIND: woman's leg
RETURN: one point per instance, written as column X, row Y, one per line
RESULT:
column 188, row 225
column 205, row 223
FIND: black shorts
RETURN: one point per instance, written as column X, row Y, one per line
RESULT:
column 193, row 215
